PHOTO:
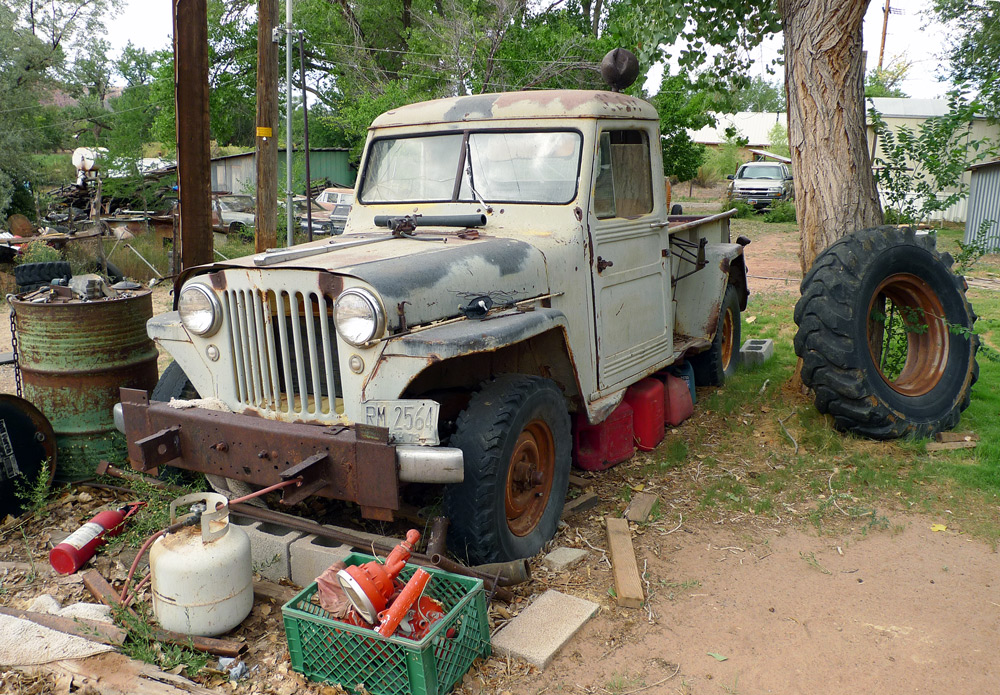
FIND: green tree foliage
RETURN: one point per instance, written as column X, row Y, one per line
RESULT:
column 974, row 47
column 885, row 81
column 920, row 171
column 682, row 104
column 741, row 93
column 778, row 136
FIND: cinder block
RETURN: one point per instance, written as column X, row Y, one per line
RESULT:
column 311, row 555
column 269, row 546
column 756, row 351
column 541, row 629
column 562, row 559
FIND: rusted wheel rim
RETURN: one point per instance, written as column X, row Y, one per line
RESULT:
column 529, row 477
column 927, row 351
column 727, row 339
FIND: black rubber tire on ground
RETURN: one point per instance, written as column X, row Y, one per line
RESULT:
column 676, row 209
column 515, row 435
column 173, row 383
column 114, row 274
column 30, row 276
column 719, row 362
column 839, row 329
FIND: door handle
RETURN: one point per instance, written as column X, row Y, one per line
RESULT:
column 603, row 264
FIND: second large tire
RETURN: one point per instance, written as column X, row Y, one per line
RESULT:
column 719, row 362
column 515, row 435
column 872, row 383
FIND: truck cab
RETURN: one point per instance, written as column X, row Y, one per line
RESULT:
column 508, row 262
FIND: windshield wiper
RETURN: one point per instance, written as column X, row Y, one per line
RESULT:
column 468, row 170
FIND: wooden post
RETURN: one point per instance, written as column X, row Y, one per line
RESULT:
column 193, row 160
column 265, row 218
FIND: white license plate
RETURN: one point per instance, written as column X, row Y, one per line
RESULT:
column 408, row 421
column 751, row 202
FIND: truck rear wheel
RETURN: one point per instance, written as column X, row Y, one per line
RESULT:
column 885, row 335
column 719, row 362
column 515, row 435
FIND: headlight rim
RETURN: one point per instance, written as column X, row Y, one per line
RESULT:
column 216, row 305
column 376, row 306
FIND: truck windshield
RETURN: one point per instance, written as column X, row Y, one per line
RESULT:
column 760, row 172
column 495, row 166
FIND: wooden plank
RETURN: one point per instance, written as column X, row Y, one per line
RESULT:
column 116, row 674
column 640, row 507
column 583, row 503
column 103, row 592
column 956, row 437
column 578, row 481
column 271, row 590
column 948, row 446
column 93, row 630
column 628, row 583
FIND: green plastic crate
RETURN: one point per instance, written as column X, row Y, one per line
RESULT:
column 325, row 649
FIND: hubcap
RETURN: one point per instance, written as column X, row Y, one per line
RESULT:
column 529, row 478
column 907, row 334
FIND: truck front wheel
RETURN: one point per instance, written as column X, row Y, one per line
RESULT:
column 515, row 435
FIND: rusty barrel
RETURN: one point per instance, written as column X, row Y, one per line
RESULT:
column 74, row 357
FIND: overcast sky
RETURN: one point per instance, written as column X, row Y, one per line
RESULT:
column 147, row 23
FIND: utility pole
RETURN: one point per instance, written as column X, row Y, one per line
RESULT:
column 193, row 156
column 266, row 214
column 885, row 25
column 305, row 135
column 288, row 122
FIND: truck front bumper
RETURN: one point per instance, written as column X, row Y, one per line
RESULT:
column 357, row 464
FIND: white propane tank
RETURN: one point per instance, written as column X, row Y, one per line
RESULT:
column 202, row 577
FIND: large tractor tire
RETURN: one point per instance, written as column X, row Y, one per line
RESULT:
column 885, row 335
column 515, row 434
column 31, row 276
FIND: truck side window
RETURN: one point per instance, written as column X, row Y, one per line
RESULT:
column 623, row 187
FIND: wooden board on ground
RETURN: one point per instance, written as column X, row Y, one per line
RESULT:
column 276, row 592
column 628, row 583
column 583, row 503
column 956, row 437
column 578, row 481
column 640, row 507
column 949, row 446
column 116, row 674
column 93, row 630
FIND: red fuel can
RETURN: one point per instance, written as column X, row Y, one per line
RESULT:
column 80, row 546
column 646, row 399
column 599, row 447
column 677, row 395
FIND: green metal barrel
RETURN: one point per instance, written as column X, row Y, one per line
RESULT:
column 74, row 357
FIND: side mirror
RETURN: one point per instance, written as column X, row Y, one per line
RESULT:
column 788, row 178
column 731, row 177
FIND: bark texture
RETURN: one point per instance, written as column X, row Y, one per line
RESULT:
column 835, row 190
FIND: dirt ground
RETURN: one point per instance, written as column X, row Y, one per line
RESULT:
column 736, row 603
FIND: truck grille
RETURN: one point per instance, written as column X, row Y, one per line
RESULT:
column 284, row 351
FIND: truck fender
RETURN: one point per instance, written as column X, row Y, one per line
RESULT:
column 697, row 297
column 470, row 336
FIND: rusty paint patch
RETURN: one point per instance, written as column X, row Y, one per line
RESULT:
column 330, row 284
column 218, row 280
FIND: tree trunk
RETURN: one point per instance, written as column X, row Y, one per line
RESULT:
column 824, row 83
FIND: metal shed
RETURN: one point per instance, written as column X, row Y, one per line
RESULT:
column 237, row 173
column 984, row 205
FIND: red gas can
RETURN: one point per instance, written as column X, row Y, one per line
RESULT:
column 598, row 447
column 677, row 395
column 646, row 399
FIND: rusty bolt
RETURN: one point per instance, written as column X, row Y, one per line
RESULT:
column 220, row 446
column 263, row 454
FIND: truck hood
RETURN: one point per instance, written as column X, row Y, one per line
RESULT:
column 427, row 280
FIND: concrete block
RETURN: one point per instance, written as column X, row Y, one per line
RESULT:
column 756, row 351
column 541, row 629
column 311, row 555
column 269, row 546
column 562, row 559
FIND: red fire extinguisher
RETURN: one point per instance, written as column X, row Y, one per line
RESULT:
column 80, row 546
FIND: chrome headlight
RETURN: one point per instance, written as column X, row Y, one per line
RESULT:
column 200, row 310
column 359, row 317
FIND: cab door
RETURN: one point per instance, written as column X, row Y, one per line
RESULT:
column 630, row 259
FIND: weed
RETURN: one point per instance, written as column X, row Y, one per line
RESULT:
column 33, row 494
column 734, row 689
column 142, row 645
column 781, row 212
column 743, row 210
column 621, row 682
column 38, row 252
column 259, row 567
column 810, row 559
column 672, row 455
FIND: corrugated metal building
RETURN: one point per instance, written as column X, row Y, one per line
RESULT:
column 984, row 205
column 237, row 173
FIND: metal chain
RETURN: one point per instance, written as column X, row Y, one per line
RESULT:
column 13, row 338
